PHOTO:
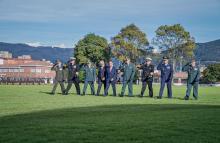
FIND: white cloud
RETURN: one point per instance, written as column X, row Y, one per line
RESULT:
column 38, row 44
column 60, row 45
column 34, row 44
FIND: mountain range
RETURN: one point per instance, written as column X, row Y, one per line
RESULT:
column 38, row 53
column 208, row 52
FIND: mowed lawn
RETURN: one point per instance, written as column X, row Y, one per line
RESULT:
column 29, row 114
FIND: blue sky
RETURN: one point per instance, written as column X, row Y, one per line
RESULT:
column 64, row 22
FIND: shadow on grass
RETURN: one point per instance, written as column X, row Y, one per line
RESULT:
column 118, row 123
column 111, row 95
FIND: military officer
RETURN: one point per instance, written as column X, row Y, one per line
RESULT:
column 166, row 76
column 193, row 79
column 147, row 76
column 128, row 76
column 90, row 76
column 111, row 78
column 59, row 77
column 73, row 72
column 101, row 76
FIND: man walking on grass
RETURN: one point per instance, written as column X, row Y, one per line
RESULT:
column 166, row 77
column 193, row 79
column 128, row 76
column 59, row 78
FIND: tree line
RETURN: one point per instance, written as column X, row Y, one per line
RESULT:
column 173, row 41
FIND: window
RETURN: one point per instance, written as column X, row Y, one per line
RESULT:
column 4, row 70
column 33, row 70
column 21, row 70
column 11, row 70
column 36, row 70
column 16, row 70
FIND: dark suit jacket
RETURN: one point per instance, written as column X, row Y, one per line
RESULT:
column 111, row 74
column 101, row 73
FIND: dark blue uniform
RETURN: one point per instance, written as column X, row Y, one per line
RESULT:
column 166, row 78
column 111, row 79
column 101, row 79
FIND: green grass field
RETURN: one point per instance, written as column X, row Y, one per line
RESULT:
column 30, row 114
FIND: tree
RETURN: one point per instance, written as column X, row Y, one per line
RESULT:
column 130, row 42
column 212, row 73
column 92, row 47
column 175, row 42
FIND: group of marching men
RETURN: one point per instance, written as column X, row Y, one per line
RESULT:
column 107, row 75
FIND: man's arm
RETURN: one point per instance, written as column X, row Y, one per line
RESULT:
column 54, row 67
column 198, row 75
column 152, row 70
column 133, row 72
column 159, row 67
column 171, row 71
column 94, row 73
column 186, row 67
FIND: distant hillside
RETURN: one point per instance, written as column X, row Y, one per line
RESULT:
column 209, row 51
column 38, row 53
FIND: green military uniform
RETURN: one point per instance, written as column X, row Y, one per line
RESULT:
column 192, row 80
column 58, row 78
column 90, row 76
column 128, row 76
column 73, row 78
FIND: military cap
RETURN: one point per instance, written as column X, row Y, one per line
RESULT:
column 165, row 57
column 72, row 58
column 148, row 59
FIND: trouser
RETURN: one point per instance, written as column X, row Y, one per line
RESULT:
column 130, row 87
column 55, row 86
column 150, row 88
column 76, row 83
column 195, row 89
column 91, row 84
column 100, row 83
column 169, row 88
column 113, row 84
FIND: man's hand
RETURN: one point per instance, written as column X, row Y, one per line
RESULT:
column 138, row 66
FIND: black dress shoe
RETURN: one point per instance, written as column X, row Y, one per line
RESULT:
column 159, row 97
column 141, row 95
column 196, row 98
column 186, row 98
column 120, row 95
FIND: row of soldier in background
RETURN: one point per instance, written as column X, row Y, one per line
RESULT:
column 107, row 76
column 24, row 80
